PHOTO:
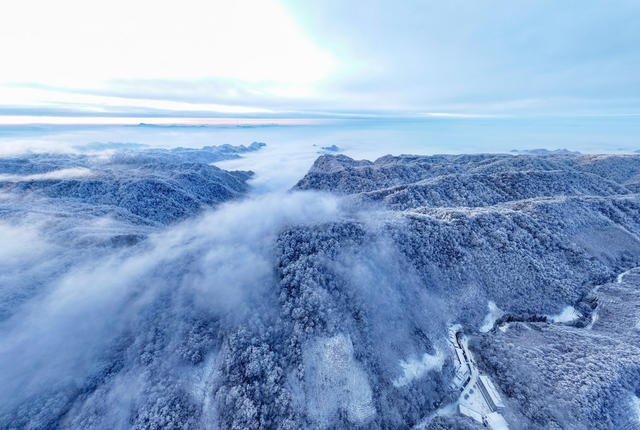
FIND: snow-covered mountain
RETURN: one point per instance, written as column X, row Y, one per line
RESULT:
column 142, row 187
column 329, row 306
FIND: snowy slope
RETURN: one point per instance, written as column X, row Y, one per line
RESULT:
column 325, row 307
column 150, row 186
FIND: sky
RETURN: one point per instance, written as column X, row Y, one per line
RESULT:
column 202, row 61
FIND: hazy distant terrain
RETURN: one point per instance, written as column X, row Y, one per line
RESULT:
column 142, row 187
column 146, row 288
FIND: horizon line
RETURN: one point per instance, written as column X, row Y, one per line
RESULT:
column 89, row 120
column 17, row 120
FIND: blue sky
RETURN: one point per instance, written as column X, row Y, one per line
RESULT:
column 119, row 61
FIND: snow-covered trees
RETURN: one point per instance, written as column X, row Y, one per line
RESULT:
column 287, row 322
column 150, row 186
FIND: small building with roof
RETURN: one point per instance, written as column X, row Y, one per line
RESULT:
column 490, row 393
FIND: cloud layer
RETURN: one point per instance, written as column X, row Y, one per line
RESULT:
column 287, row 59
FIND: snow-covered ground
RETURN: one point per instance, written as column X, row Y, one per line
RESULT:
column 635, row 407
column 568, row 314
column 494, row 313
column 413, row 368
column 472, row 402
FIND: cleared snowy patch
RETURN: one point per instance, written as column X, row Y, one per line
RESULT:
column 335, row 381
column 504, row 327
column 568, row 314
column 71, row 173
column 413, row 369
column 621, row 276
column 635, row 407
column 490, row 319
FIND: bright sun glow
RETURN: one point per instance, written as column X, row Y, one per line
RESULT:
column 83, row 44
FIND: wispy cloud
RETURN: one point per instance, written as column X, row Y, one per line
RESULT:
column 43, row 98
column 459, row 115
column 292, row 59
column 74, row 172
column 135, row 120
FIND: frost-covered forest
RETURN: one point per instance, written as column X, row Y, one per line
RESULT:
column 149, row 289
